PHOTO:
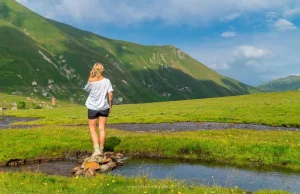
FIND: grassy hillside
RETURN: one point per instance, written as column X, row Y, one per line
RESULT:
column 291, row 82
column 276, row 109
column 42, row 57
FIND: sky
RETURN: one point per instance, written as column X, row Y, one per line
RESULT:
column 252, row 41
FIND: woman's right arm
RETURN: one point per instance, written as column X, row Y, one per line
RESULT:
column 88, row 86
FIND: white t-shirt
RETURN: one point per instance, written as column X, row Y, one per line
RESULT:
column 98, row 90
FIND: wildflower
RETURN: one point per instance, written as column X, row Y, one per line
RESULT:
column 179, row 192
column 236, row 187
column 107, row 184
column 113, row 181
column 77, row 177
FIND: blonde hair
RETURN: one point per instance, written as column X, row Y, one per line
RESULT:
column 98, row 69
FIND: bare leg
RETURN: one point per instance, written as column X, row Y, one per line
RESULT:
column 94, row 135
column 102, row 122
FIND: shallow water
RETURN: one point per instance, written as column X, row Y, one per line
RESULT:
column 249, row 179
column 6, row 122
column 185, row 126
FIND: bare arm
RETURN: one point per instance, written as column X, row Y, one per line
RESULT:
column 110, row 99
column 91, row 76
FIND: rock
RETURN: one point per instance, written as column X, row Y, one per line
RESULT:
column 92, row 165
column 34, row 83
column 108, row 167
column 50, row 81
column 15, row 162
column 90, row 172
column 98, row 159
column 53, row 101
column 107, row 160
column 119, row 155
column 179, row 52
column 108, row 154
column 79, row 172
column 76, row 169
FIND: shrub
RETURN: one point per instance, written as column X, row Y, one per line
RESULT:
column 21, row 105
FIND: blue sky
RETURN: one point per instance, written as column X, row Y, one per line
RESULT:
column 252, row 41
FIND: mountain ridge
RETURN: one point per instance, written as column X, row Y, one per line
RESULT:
column 48, row 58
column 291, row 82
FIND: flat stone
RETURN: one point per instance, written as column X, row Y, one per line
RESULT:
column 92, row 165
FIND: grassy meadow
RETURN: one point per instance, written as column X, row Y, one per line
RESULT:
column 232, row 146
column 31, row 182
column 238, row 147
column 274, row 109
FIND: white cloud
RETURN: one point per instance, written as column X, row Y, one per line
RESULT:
column 271, row 15
column 195, row 12
column 219, row 66
column 291, row 12
column 251, row 53
column 228, row 34
column 232, row 16
column 251, row 64
column 284, row 25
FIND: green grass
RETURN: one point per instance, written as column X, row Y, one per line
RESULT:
column 238, row 147
column 274, row 109
column 30, row 182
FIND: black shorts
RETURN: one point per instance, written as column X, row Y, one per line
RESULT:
column 95, row 114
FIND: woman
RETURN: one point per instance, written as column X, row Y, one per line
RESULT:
column 98, row 107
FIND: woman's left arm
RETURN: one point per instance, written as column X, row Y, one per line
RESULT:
column 110, row 99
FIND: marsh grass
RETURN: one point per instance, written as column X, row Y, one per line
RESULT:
column 239, row 147
column 274, row 109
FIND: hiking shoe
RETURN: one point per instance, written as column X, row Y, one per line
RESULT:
column 97, row 153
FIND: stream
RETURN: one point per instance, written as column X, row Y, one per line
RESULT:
column 192, row 172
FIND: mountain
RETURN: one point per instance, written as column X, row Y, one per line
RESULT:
column 42, row 57
column 291, row 82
